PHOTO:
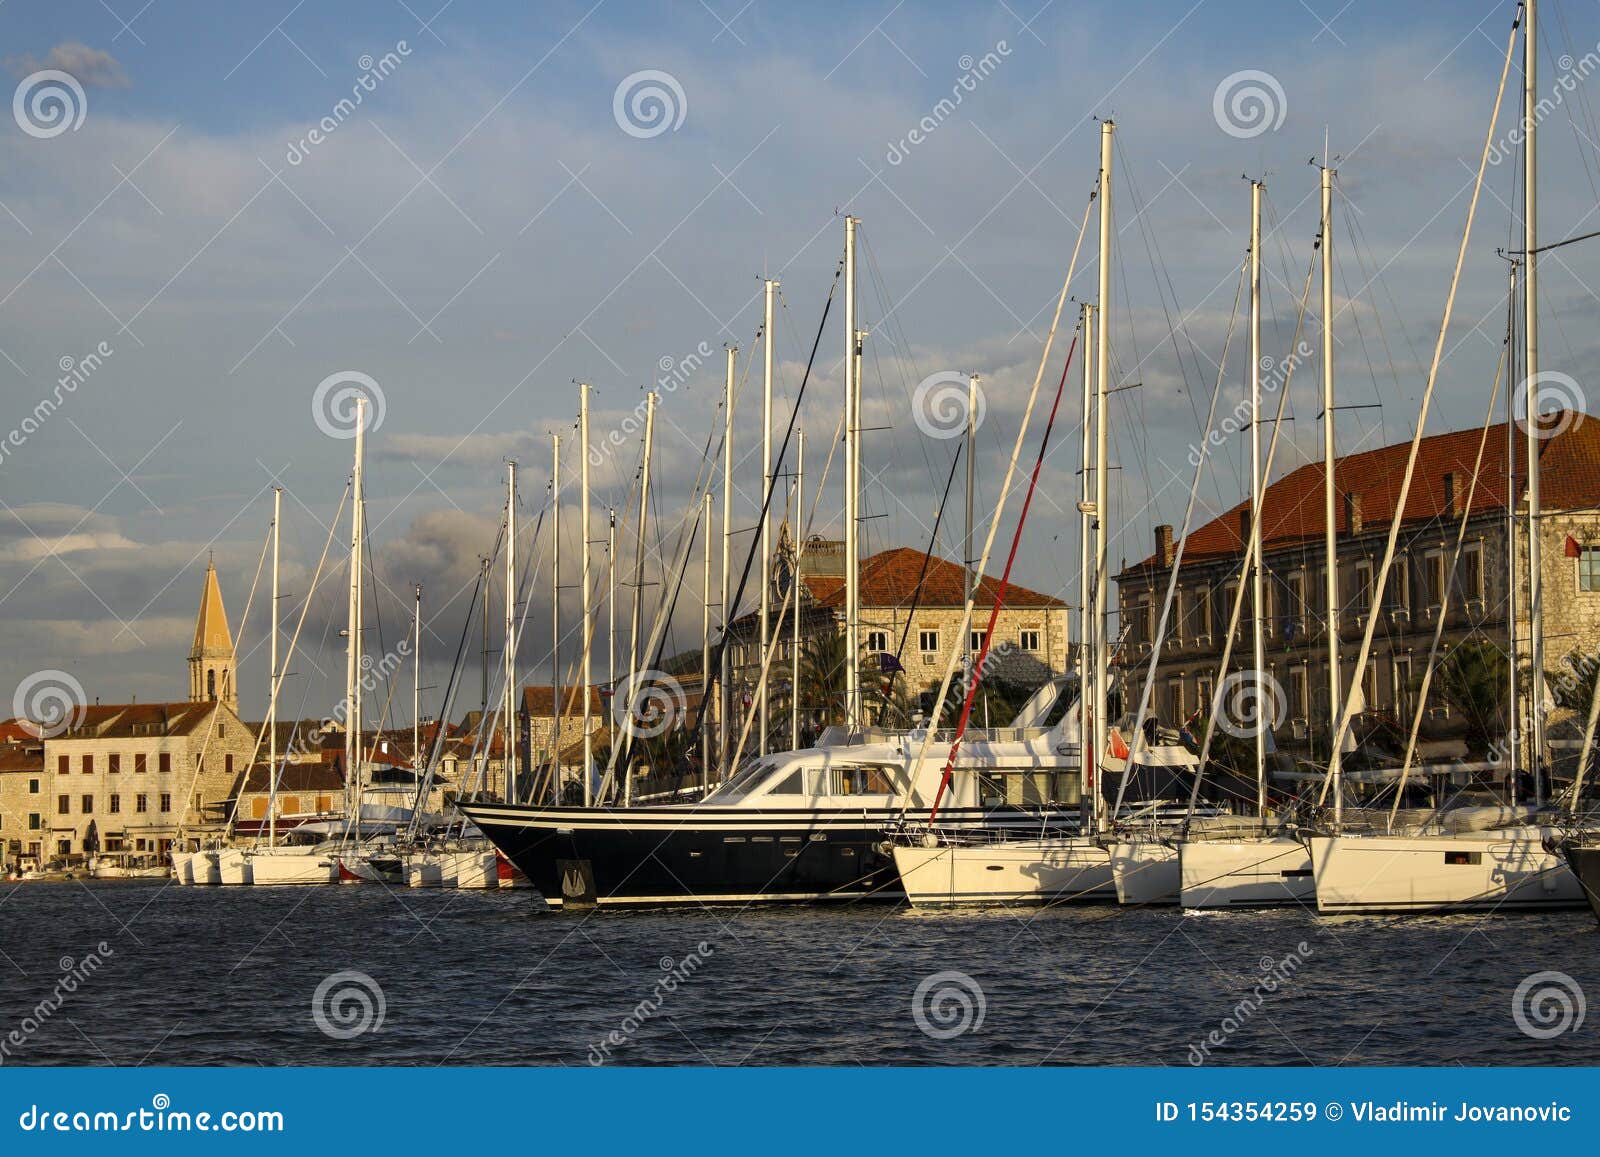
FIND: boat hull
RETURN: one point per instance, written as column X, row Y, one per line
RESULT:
column 1145, row 872
column 1477, row 872
column 273, row 869
column 1018, row 872
column 709, row 855
column 1270, row 872
column 1584, row 860
column 233, row 867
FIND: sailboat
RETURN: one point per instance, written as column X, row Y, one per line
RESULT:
column 1474, row 859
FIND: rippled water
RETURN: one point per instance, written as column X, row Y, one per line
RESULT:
column 229, row 976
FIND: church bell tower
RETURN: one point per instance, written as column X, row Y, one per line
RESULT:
column 212, row 670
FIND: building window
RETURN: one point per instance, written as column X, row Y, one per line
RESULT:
column 1469, row 575
column 975, row 640
column 63, row 805
column 88, row 765
column 1433, row 568
column 33, row 787
column 1294, row 606
column 164, row 761
column 1028, row 640
column 113, row 764
column 114, row 804
column 1299, row 693
column 1404, row 707
column 1202, row 612
column 35, row 821
column 227, row 763
column 166, row 801
column 1175, row 712
column 1362, row 603
column 1399, row 586
column 63, row 764
column 877, row 641
column 927, row 641
column 1230, row 596
column 139, row 766
column 1589, row 568
column 141, row 803
column 1203, row 693
column 88, row 805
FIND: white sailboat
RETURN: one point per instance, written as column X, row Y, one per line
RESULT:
column 1469, row 861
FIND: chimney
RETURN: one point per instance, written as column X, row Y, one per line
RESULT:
column 1452, row 494
column 1164, row 549
column 1352, row 512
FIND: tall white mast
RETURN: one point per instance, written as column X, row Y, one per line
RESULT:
column 767, row 343
column 1102, row 374
column 509, row 646
column 611, row 628
column 798, row 537
column 1330, row 591
column 638, row 585
column 354, row 650
column 705, row 635
column 1530, row 338
column 1257, row 570
column 1515, row 741
column 852, row 539
column 588, row 608
column 272, row 699
column 724, row 689
column 967, row 580
column 416, row 683
column 1087, row 756
column 555, row 616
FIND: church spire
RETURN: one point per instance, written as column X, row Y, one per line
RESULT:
column 212, row 670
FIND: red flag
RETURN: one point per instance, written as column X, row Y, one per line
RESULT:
column 1118, row 746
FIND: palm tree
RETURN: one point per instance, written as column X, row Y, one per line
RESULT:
column 822, row 672
column 1472, row 681
column 1573, row 688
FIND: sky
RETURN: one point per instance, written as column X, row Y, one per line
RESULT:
column 216, row 235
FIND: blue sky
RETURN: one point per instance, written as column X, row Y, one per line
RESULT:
column 482, row 231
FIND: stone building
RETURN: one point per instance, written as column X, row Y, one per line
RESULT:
column 213, row 668
column 911, row 608
column 1295, row 614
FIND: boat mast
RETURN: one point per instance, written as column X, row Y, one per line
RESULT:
column 508, row 647
column 588, row 609
column 1330, row 592
column 353, row 648
column 724, row 688
column 1102, row 358
column 638, row 587
column 1257, row 585
column 272, row 699
column 705, row 633
column 763, row 708
column 967, row 583
column 416, row 682
column 798, row 537
column 611, row 629
column 1530, row 339
column 1514, row 717
column 1087, row 757
column 852, row 544
column 555, row 620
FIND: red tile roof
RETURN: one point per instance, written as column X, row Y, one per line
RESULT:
column 889, row 579
column 539, row 701
column 1569, row 463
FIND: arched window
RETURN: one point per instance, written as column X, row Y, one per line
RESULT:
column 211, row 683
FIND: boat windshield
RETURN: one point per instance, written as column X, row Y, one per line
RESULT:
column 749, row 774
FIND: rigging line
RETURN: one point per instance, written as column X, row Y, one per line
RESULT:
column 1250, row 558
column 216, row 712
column 447, row 701
column 1583, row 107
column 1449, row 585
column 769, row 484
column 994, row 522
column 1380, row 579
column 976, row 679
